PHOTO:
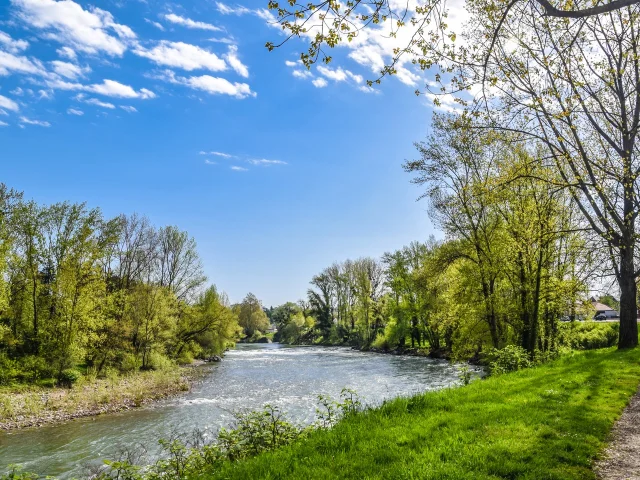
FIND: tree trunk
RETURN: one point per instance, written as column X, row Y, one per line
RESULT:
column 628, row 300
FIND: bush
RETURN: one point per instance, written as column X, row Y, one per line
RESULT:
column 588, row 335
column 185, row 358
column 34, row 368
column 68, row 378
column 394, row 334
column 157, row 361
column 8, row 369
column 508, row 359
column 129, row 363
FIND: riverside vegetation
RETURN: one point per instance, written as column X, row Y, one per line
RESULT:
column 110, row 307
column 549, row 421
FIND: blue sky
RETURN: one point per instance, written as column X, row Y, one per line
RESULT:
column 121, row 104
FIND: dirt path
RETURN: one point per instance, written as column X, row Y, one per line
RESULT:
column 622, row 456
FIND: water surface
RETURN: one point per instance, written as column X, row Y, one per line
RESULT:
column 249, row 377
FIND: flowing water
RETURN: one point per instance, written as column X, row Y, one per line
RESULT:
column 248, row 377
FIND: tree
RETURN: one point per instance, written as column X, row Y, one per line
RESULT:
column 251, row 316
column 180, row 267
column 564, row 76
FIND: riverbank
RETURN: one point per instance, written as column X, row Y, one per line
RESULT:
column 37, row 406
column 552, row 421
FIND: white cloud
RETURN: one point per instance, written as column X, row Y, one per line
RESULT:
column 289, row 63
column 187, row 22
column 209, row 84
column 68, row 53
column 108, row 88
column 8, row 104
column 46, row 94
column 266, row 163
column 338, row 75
column 28, row 121
column 159, row 26
column 231, row 57
column 3, row 124
column 111, row 88
column 227, row 40
column 354, row 77
column 17, row 91
column 69, row 70
column 11, row 45
column 302, row 74
column 128, row 108
column 182, row 55
column 221, row 154
column 238, row 169
column 210, row 162
column 10, row 63
column 2, row 112
column 65, row 21
column 368, row 89
column 320, row 83
column 262, row 13
column 98, row 103
column 75, row 111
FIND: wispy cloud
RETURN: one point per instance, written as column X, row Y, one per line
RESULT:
column 210, row 162
column 29, row 121
column 232, row 57
column 209, row 84
column 226, row 40
column 236, row 168
column 74, row 111
column 3, row 124
column 158, row 25
column 8, row 104
column 11, row 45
column 98, row 103
column 264, row 162
column 129, row 108
column 187, row 22
column 108, row 88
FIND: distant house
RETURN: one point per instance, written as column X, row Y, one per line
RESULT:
column 603, row 309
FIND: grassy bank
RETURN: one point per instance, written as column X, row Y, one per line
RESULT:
column 28, row 406
column 548, row 422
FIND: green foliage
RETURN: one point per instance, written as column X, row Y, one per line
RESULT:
column 544, row 422
column 77, row 289
column 508, row 359
column 68, row 378
column 15, row 473
column 588, row 335
column 251, row 434
column 465, row 374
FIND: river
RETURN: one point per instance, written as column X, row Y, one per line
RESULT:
column 248, row 377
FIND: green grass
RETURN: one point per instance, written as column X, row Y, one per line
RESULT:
column 548, row 422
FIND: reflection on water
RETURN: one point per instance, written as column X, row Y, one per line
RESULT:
column 249, row 377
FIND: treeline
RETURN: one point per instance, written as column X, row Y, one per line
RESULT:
column 514, row 262
column 81, row 291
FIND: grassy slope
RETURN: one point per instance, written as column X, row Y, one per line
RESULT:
column 544, row 423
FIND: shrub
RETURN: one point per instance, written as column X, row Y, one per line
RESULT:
column 394, row 334
column 129, row 363
column 185, row 358
column 588, row 335
column 157, row 361
column 508, row 359
column 8, row 369
column 68, row 378
column 34, row 368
